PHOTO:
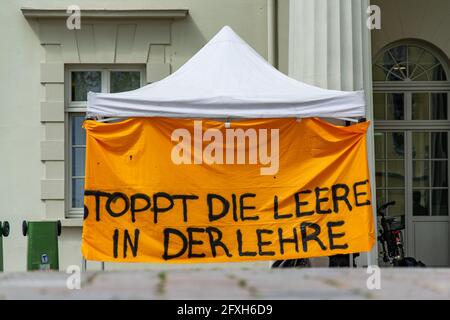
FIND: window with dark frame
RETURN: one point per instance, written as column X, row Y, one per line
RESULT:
column 411, row 91
column 81, row 82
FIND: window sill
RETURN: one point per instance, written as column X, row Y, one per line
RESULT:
column 176, row 13
column 72, row 222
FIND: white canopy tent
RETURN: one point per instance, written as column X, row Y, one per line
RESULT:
column 228, row 79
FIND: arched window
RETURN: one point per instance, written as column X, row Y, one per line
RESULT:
column 410, row 67
column 412, row 128
column 407, row 62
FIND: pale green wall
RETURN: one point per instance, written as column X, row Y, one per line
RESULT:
column 413, row 19
column 21, row 130
column 283, row 36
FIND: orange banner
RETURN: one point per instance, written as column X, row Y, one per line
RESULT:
column 189, row 191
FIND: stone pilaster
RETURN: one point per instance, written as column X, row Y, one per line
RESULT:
column 329, row 47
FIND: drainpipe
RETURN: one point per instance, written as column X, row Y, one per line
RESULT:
column 272, row 46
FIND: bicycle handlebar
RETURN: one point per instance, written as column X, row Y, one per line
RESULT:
column 384, row 206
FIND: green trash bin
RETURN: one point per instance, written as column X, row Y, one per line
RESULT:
column 42, row 246
column 4, row 232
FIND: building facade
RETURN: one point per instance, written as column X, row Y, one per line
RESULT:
column 46, row 70
column 410, row 58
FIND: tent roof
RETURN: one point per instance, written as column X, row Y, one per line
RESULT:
column 227, row 79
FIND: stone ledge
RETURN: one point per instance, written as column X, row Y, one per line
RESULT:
column 107, row 13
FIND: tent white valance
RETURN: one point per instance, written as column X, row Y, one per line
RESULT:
column 227, row 79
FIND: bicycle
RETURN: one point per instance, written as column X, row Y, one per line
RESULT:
column 391, row 240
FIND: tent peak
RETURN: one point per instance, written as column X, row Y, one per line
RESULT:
column 226, row 34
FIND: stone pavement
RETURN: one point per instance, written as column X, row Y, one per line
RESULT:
column 310, row 283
